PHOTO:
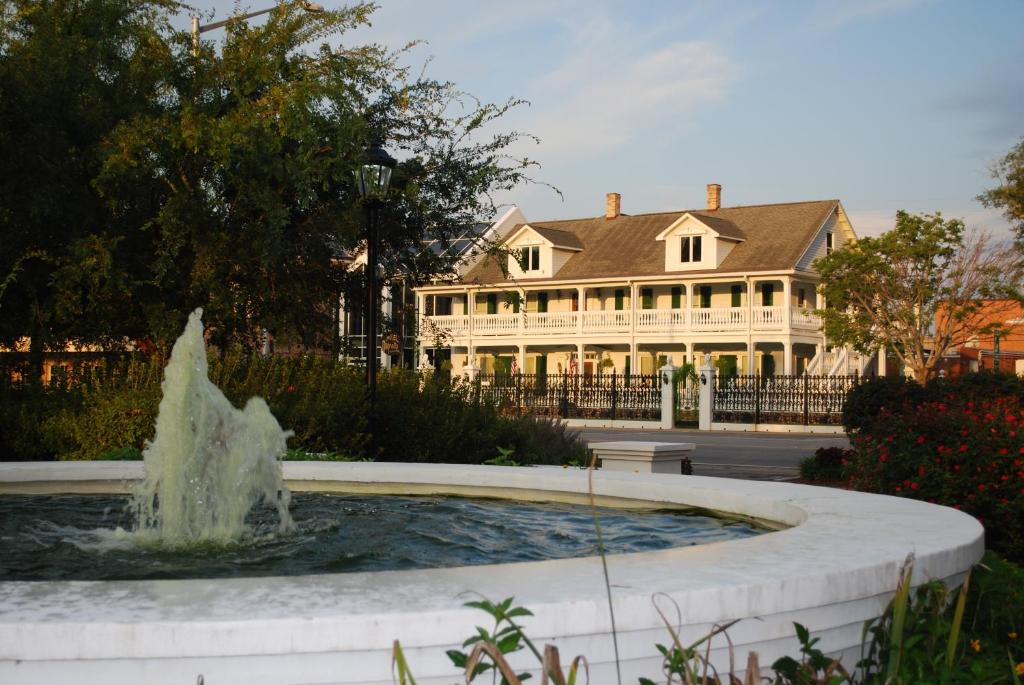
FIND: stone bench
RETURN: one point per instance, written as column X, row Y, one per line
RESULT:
column 644, row 457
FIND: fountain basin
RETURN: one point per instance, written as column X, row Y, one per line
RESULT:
column 834, row 567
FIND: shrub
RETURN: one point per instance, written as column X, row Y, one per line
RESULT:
column 827, row 465
column 961, row 453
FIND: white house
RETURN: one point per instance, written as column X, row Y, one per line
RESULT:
column 613, row 292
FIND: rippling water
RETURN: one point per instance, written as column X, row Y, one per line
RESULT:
column 85, row 538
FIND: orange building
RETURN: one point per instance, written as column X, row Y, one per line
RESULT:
column 977, row 351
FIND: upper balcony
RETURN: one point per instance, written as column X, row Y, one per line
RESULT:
column 722, row 307
column 710, row 320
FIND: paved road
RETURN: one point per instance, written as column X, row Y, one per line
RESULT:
column 758, row 456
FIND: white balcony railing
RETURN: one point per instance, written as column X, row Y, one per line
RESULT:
column 552, row 322
column 607, row 322
column 661, row 319
column 718, row 319
column 766, row 317
column 624, row 321
column 805, row 318
column 496, row 324
column 455, row 325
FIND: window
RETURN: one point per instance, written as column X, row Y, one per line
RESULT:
column 767, row 294
column 443, row 306
column 575, row 302
column 492, row 303
column 736, row 292
column 542, row 302
column 647, row 298
column 690, row 249
column 801, row 297
column 620, row 297
column 705, row 297
column 677, row 297
column 514, row 303
column 828, row 243
column 529, row 258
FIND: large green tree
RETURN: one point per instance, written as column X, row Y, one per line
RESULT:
column 916, row 290
column 1009, row 194
column 228, row 185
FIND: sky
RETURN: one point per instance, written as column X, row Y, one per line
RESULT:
column 883, row 104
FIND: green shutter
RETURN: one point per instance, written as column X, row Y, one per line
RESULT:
column 647, row 298
column 492, row 303
column 620, row 299
column 542, row 302
column 705, row 297
column 767, row 294
column 677, row 297
column 736, row 295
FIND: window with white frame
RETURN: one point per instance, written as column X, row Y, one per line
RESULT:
column 690, row 249
column 529, row 258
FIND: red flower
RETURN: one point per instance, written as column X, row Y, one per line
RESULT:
column 913, row 486
column 920, row 440
column 291, row 388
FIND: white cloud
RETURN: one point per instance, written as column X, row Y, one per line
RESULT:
column 599, row 102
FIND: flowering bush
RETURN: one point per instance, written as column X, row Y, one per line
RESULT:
column 963, row 453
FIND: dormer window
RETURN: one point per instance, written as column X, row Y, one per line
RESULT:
column 690, row 251
column 529, row 258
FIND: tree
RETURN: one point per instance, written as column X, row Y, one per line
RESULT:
column 1009, row 194
column 916, row 290
column 69, row 71
column 221, row 179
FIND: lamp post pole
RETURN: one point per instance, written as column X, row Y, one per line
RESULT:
column 373, row 178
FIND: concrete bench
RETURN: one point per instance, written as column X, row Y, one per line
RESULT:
column 643, row 457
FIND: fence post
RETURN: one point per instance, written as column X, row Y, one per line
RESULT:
column 615, row 394
column 519, row 394
column 706, row 402
column 757, row 398
column 807, row 418
column 563, row 401
column 668, row 417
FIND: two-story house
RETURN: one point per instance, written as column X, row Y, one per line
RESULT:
column 613, row 293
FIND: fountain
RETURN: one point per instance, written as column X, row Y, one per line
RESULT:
column 209, row 463
column 832, row 564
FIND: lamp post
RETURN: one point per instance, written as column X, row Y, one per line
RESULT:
column 198, row 28
column 372, row 180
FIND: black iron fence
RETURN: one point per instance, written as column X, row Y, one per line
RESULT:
column 606, row 396
column 803, row 400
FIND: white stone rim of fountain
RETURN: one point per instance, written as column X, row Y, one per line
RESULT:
column 834, row 568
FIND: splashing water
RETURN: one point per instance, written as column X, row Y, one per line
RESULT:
column 209, row 463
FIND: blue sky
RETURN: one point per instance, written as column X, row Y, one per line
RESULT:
column 884, row 104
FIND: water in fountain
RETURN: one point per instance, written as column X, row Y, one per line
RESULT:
column 209, row 463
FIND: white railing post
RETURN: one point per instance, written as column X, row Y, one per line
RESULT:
column 668, row 418
column 707, row 396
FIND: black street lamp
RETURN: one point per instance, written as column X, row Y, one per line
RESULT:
column 372, row 180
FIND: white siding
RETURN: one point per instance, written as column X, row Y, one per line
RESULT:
column 817, row 248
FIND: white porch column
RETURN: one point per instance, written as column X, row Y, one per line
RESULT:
column 787, row 363
column 751, row 364
column 522, row 358
column 634, row 361
column 787, row 303
column 881, row 361
column 581, row 297
column 579, row 359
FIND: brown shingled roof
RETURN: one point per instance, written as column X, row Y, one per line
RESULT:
column 773, row 237
column 558, row 238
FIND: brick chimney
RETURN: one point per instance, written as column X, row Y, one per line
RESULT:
column 714, row 196
column 612, row 205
